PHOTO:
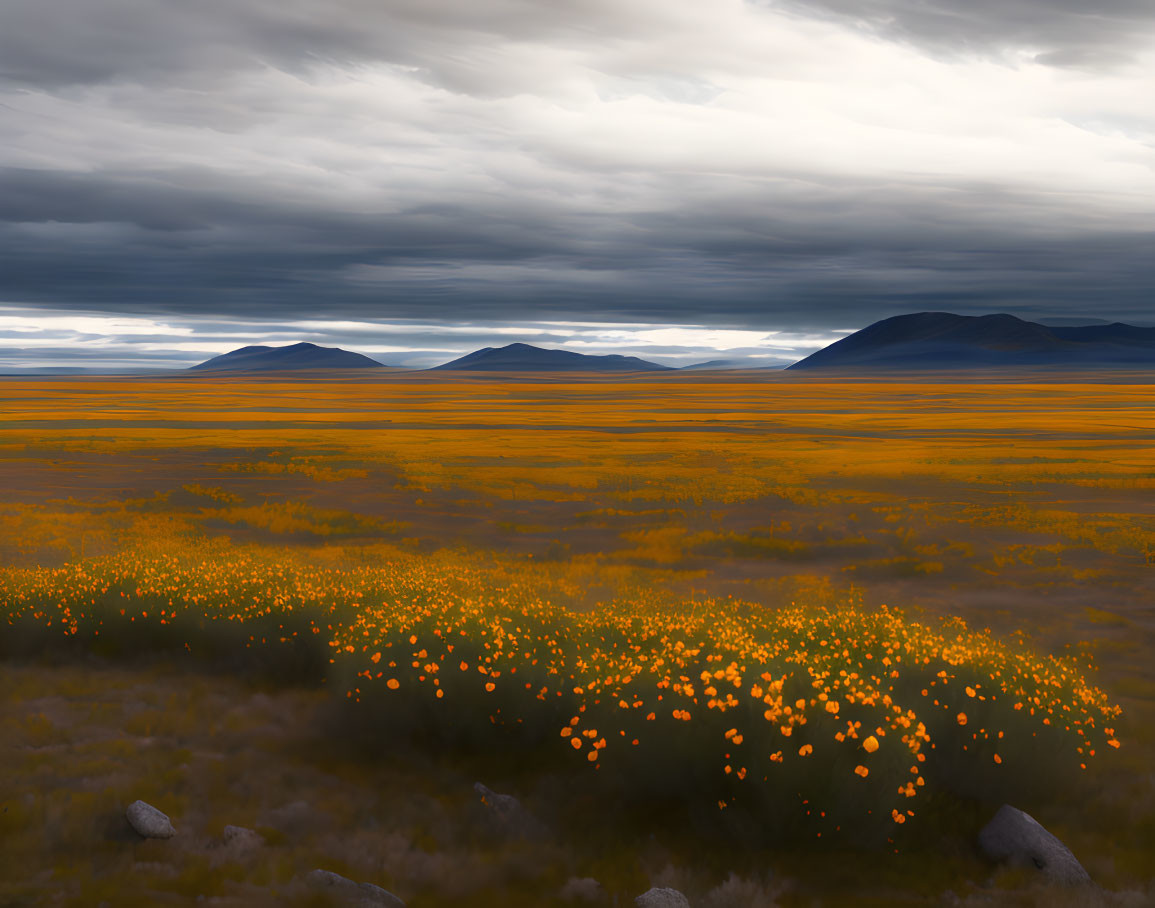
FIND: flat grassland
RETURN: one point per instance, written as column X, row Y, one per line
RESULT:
column 770, row 639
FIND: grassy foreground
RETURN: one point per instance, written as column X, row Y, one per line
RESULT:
column 740, row 726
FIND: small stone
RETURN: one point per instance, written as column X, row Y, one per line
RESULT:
column 582, row 889
column 1018, row 838
column 241, row 838
column 355, row 893
column 507, row 814
column 503, row 805
column 662, row 898
column 148, row 821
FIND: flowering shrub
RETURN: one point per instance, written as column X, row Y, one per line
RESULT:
column 817, row 720
column 820, row 720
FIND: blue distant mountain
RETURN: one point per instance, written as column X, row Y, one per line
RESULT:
column 293, row 357
column 729, row 365
column 527, row 358
column 941, row 340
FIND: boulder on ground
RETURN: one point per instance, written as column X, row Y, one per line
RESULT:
column 148, row 821
column 355, row 893
column 662, row 898
column 1019, row 839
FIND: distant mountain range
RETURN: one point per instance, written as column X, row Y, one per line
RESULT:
column 940, row 340
column 527, row 358
column 920, row 341
column 728, row 365
column 295, row 356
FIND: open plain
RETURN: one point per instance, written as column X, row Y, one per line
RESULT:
column 769, row 638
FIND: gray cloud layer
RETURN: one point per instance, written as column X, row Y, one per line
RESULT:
column 1061, row 32
column 60, row 42
column 810, row 166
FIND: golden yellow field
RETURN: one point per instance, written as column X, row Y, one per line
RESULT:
column 718, row 631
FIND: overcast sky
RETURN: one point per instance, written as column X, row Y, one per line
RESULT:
column 679, row 179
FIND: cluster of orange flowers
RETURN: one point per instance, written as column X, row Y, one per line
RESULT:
column 161, row 582
column 801, row 703
column 840, row 711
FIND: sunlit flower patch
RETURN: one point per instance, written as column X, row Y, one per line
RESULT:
column 842, row 716
column 824, row 721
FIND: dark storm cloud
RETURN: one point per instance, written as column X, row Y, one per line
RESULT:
column 772, row 259
column 663, row 161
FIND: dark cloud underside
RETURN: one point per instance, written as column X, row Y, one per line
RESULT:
column 805, row 165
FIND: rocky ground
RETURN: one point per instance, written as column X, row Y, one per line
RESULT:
column 270, row 804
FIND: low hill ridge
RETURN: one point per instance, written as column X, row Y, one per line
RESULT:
column 943, row 340
column 257, row 358
column 521, row 357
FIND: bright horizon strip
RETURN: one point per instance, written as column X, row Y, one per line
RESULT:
column 32, row 340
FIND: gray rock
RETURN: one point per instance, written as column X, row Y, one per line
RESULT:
column 582, row 889
column 240, row 838
column 361, row 894
column 1020, row 839
column 506, row 813
column 503, row 805
column 148, row 821
column 662, row 898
